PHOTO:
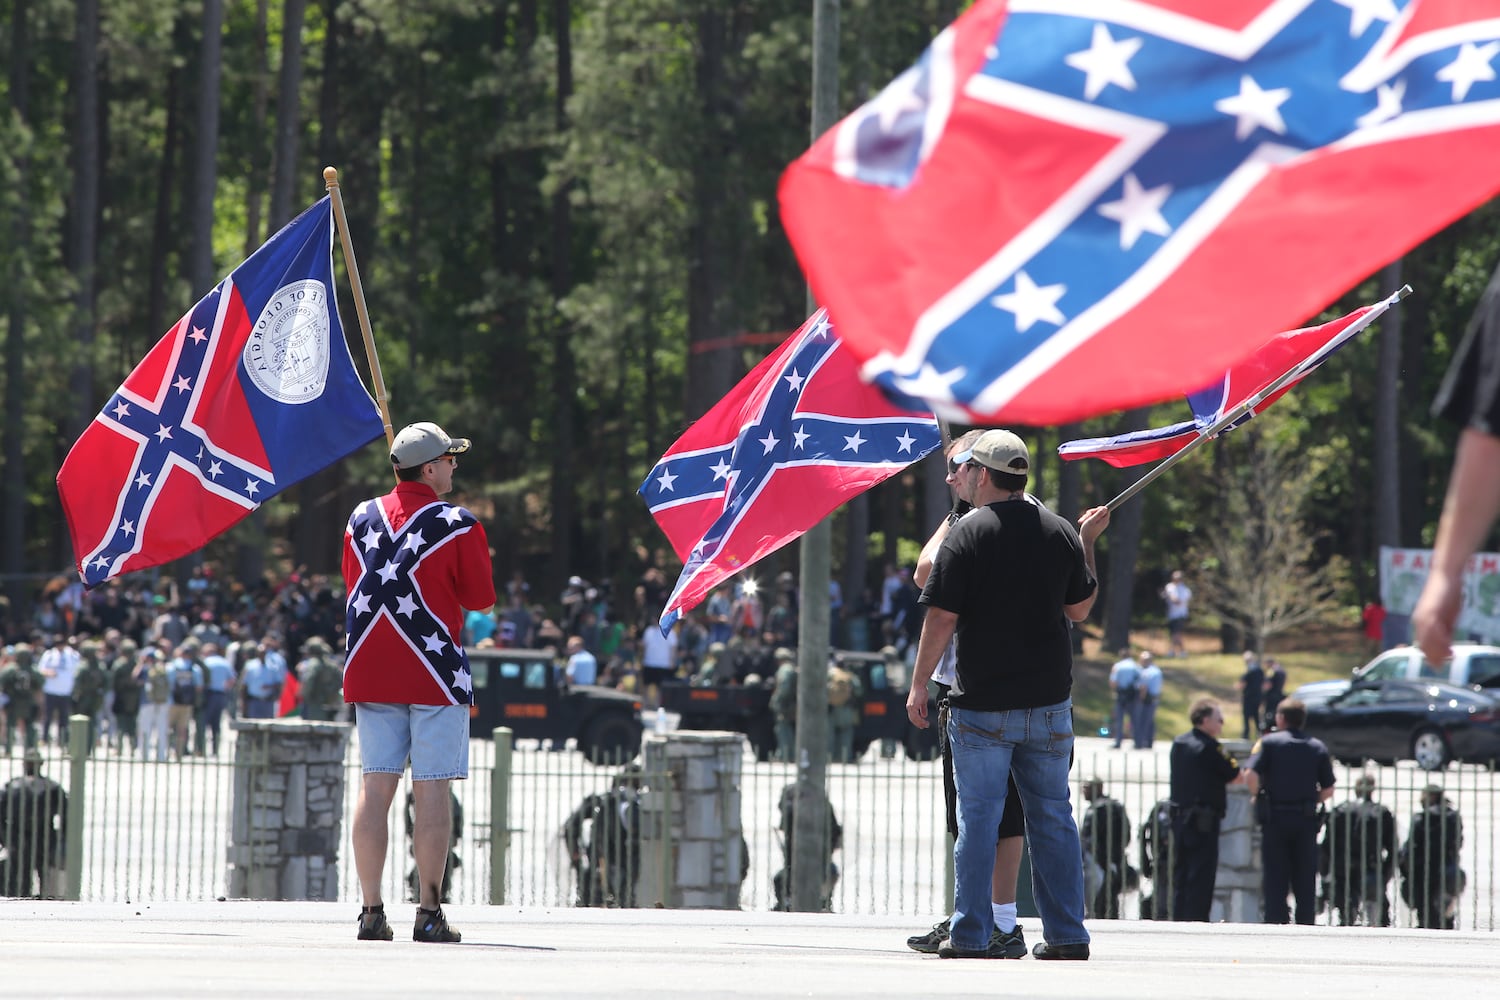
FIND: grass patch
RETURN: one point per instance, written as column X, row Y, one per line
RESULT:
column 1311, row 655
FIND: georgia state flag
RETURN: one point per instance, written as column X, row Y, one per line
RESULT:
column 250, row 392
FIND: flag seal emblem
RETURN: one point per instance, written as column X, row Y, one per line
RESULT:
column 287, row 353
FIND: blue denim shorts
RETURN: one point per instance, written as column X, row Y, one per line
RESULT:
column 435, row 738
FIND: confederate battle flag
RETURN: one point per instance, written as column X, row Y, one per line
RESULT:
column 253, row 390
column 1069, row 207
column 797, row 437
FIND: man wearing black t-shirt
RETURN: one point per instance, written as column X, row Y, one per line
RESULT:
column 1008, row 579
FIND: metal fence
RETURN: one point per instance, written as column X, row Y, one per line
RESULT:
column 145, row 831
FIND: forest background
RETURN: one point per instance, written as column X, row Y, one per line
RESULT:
column 564, row 213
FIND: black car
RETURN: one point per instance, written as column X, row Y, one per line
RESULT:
column 1425, row 721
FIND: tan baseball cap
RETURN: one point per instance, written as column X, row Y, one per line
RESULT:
column 998, row 450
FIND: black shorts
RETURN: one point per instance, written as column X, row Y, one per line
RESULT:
column 1175, row 626
column 1012, row 821
column 655, row 675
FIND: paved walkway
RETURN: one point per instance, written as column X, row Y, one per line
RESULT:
column 223, row 950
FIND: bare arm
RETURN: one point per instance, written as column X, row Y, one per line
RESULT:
column 1470, row 508
column 1090, row 526
column 929, row 553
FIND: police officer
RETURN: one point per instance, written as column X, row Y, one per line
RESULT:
column 322, row 693
column 21, row 685
column 1295, row 774
column 1201, row 769
column 90, row 682
column 1433, row 879
column 1359, row 856
column 784, row 703
column 33, row 829
column 1105, row 833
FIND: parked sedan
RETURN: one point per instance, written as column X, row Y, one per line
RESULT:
column 1472, row 664
column 1426, row 721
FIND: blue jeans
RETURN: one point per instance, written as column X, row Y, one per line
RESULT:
column 1034, row 746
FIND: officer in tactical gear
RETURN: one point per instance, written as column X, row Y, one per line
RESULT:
column 805, row 795
column 1358, row 857
column 1157, row 855
column 127, row 697
column 33, row 828
column 606, row 856
column 322, row 681
column 1432, row 880
column 22, row 686
column 845, row 696
column 89, row 686
column 1105, row 834
column 784, row 704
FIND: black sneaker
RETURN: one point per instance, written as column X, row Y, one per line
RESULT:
column 1061, row 952
column 374, row 927
column 1012, row 945
column 928, row 943
column 1002, row 945
column 433, row 927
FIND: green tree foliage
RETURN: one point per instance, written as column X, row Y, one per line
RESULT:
column 461, row 128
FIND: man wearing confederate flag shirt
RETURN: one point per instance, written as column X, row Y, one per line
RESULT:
column 412, row 564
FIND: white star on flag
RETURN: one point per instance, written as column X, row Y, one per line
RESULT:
column 127, row 528
column 215, row 469
column 795, row 381
column 462, row 682
column 1138, row 211
column 388, row 571
column 799, row 437
column 371, row 539
column 414, row 541
column 1106, row 62
column 1472, row 66
column 852, row 443
column 906, row 440
column 1362, row 13
column 721, row 469
column 144, row 479
column 1253, row 106
column 665, row 480
column 406, row 606
column 452, row 515
column 433, row 643
column 769, row 442
column 1388, row 102
column 1031, row 302
column 361, row 604
column 252, row 487
column 198, row 336
column 122, row 410
column 183, row 384
column 163, row 432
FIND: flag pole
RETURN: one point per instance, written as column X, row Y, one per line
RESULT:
column 331, row 181
column 1229, row 418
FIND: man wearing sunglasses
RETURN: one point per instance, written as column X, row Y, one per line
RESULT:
column 1007, row 940
column 412, row 564
column 1007, row 581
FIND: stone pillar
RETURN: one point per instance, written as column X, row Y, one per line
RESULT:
column 1237, row 888
column 692, row 843
column 288, row 809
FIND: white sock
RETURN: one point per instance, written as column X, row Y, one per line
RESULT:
column 1005, row 916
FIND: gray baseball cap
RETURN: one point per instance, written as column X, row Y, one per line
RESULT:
column 420, row 443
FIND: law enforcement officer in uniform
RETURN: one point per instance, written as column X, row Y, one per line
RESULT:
column 1201, row 769
column 784, row 703
column 33, row 829
column 1358, row 857
column 21, row 685
column 1433, row 880
column 1105, row 833
column 1294, row 773
column 321, row 679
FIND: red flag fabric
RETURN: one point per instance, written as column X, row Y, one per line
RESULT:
column 1066, row 208
column 1296, row 353
column 797, row 437
column 250, row 392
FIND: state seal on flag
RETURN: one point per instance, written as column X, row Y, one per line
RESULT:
column 287, row 353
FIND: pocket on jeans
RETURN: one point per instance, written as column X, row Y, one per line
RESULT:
column 1060, row 731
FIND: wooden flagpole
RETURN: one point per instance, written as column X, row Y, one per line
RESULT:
column 331, row 181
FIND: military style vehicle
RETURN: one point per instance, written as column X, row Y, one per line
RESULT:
column 747, row 709
column 523, row 689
